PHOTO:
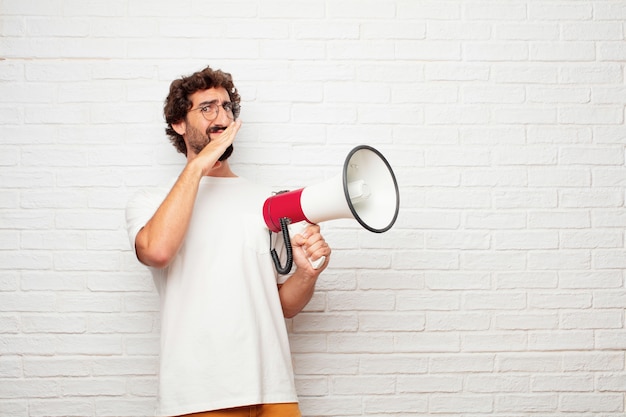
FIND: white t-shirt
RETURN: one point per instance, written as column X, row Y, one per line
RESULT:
column 223, row 336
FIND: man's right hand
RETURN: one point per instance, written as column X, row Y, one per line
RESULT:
column 208, row 158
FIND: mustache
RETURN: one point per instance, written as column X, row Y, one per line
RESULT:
column 215, row 129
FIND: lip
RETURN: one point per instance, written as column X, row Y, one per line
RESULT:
column 216, row 129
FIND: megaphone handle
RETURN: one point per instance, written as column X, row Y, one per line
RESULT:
column 298, row 228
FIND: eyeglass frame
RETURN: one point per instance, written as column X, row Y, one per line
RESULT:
column 234, row 110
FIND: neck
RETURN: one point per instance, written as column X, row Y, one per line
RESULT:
column 221, row 169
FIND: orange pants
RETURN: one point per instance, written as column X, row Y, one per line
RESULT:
column 259, row 410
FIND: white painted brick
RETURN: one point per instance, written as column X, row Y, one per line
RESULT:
column 330, row 322
column 535, row 279
column 494, row 220
column 135, row 324
column 611, row 383
column 61, row 407
column 560, row 134
column 14, row 407
column 457, row 240
column 438, row 321
column 591, row 74
column 527, row 403
column 592, row 403
column 356, row 301
column 534, row 362
column 143, row 346
column 428, row 384
column 500, row 289
column 584, row 31
column 606, row 299
column 524, row 321
column 449, row 30
column 494, row 342
column 30, row 388
column 493, row 301
column 449, row 115
column 608, row 218
column 491, row 94
column 56, row 366
column 424, row 93
column 593, row 361
column 495, row 51
column 527, row 31
column 316, row 386
column 429, row 10
column 458, row 199
column 455, row 280
column 393, row 364
column 558, row 10
column 53, row 324
column 560, row 383
column 433, row 260
column 10, row 367
column 441, row 71
column 357, row 385
column 124, row 407
column 562, row 51
column 427, row 342
column 610, row 115
column 517, row 115
column 9, row 324
column 524, row 73
column 391, row 322
column 462, row 363
column 399, row 30
column 558, row 95
column 428, row 50
column 395, row 404
column 560, row 301
column 597, row 279
column 497, row 383
column 539, row 199
column 107, row 366
column 611, row 51
column 326, row 364
column 571, row 259
column 330, row 406
column 531, row 240
column 589, row 239
column 481, row 261
column 427, row 301
column 560, row 340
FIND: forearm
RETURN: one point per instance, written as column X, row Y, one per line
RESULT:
column 296, row 292
column 161, row 238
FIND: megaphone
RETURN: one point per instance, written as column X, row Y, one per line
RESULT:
column 366, row 190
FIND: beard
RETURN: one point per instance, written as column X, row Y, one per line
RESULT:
column 197, row 141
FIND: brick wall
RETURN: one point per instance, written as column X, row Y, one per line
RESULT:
column 500, row 291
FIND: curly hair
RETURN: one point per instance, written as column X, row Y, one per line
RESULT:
column 177, row 103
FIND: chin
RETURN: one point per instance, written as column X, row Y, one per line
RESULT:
column 227, row 153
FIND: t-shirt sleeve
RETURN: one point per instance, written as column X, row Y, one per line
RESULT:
column 139, row 210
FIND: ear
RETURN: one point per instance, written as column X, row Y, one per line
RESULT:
column 180, row 127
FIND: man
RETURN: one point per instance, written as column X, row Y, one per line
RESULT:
column 224, row 346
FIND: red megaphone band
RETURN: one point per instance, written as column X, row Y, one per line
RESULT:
column 284, row 204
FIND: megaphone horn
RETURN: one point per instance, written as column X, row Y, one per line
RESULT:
column 366, row 190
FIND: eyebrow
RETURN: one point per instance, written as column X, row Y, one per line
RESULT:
column 207, row 103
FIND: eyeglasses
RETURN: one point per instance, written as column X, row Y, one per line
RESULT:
column 211, row 110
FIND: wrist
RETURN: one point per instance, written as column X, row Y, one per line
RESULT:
column 194, row 169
